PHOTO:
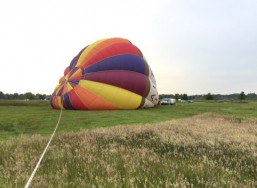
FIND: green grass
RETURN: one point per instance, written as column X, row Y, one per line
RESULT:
column 37, row 117
column 207, row 144
column 206, row 150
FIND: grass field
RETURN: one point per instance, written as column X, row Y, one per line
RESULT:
column 188, row 145
column 37, row 117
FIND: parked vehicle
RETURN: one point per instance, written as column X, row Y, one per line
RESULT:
column 167, row 101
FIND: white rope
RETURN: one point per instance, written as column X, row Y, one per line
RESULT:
column 42, row 156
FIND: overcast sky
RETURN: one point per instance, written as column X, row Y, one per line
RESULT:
column 193, row 46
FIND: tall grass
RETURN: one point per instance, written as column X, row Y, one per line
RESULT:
column 202, row 151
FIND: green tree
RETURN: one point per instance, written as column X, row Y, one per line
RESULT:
column 2, row 96
column 177, row 96
column 242, row 96
column 184, row 97
column 29, row 95
column 15, row 96
column 40, row 96
column 209, row 96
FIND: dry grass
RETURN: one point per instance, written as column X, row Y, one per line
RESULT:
column 202, row 151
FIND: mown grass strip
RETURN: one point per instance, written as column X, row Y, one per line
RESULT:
column 37, row 117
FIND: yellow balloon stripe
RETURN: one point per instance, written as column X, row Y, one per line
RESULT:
column 86, row 51
column 69, row 87
column 58, row 88
column 73, row 75
column 119, row 97
column 59, row 101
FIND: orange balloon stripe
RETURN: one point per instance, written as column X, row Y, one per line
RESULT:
column 53, row 102
column 85, row 52
column 56, row 103
column 65, row 89
column 58, row 89
column 61, row 79
column 109, row 48
column 76, row 74
column 110, row 51
column 96, row 103
column 76, row 103
column 101, row 46
column 67, row 70
column 105, row 44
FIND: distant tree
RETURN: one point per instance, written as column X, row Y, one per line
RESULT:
column 177, row 96
column 11, row 96
column 29, row 95
column 242, row 96
column 184, row 97
column 251, row 96
column 209, row 96
column 15, row 96
column 40, row 96
column 7, row 96
column 22, row 97
column 2, row 96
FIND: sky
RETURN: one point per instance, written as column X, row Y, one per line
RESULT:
column 192, row 46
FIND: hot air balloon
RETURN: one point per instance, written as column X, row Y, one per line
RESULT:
column 109, row 74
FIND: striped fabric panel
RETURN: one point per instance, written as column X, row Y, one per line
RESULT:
column 109, row 51
column 84, row 99
column 121, row 98
column 120, row 62
column 131, row 81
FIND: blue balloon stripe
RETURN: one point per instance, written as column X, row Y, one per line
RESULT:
column 73, row 62
column 73, row 82
column 120, row 62
column 67, row 102
column 75, row 59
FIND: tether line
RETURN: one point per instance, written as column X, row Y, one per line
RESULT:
column 42, row 155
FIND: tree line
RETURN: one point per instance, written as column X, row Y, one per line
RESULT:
column 24, row 96
column 236, row 96
column 241, row 96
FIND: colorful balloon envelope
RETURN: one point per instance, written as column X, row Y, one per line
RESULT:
column 109, row 74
